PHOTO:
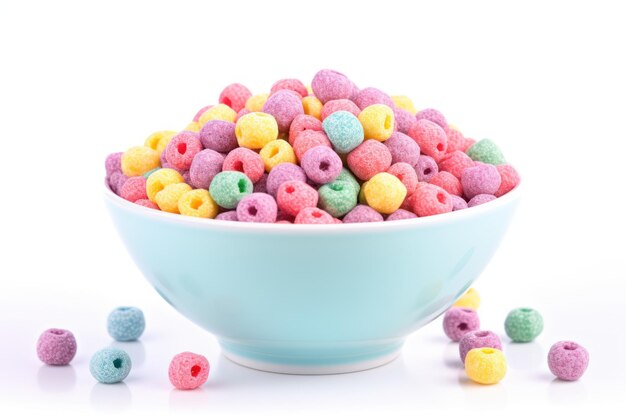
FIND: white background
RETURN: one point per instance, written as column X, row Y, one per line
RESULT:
column 82, row 79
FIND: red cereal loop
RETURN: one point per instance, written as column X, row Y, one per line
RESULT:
column 301, row 123
column 406, row 174
column 313, row 215
column 429, row 200
column 293, row 196
column 181, row 150
column 430, row 137
column 235, row 96
column 448, row 182
column 188, row 370
column 455, row 163
column 291, row 84
column 308, row 139
column 246, row 161
column 134, row 189
column 509, row 179
column 368, row 159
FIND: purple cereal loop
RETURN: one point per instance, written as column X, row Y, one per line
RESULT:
column 480, row 199
column 282, row 173
column 403, row 149
column 321, row 164
column 370, row 95
column 230, row 215
column 401, row 214
column 219, row 135
column 257, row 208
column 113, row 163
column 205, row 165
column 331, row 85
column 362, row 214
column 480, row 179
column 426, row 168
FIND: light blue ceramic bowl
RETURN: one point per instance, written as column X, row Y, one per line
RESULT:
column 312, row 299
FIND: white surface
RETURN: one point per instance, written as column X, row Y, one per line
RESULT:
column 81, row 79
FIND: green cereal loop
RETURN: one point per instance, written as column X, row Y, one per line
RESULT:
column 523, row 325
column 346, row 175
column 147, row 174
column 486, row 151
column 344, row 131
column 229, row 187
column 337, row 198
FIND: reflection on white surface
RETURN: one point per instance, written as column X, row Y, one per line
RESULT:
column 190, row 399
column 567, row 392
column 110, row 397
column 451, row 357
column 524, row 356
column 135, row 349
column 483, row 396
column 55, row 379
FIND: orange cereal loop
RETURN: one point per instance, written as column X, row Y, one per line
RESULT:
column 276, row 152
column 485, row 365
column 362, row 196
column 255, row 130
column 404, row 103
column 160, row 179
column 167, row 199
column 378, row 122
column 159, row 140
column 384, row 193
column 312, row 106
column 471, row 299
column 193, row 127
column 198, row 203
column 256, row 102
column 138, row 160
column 218, row 112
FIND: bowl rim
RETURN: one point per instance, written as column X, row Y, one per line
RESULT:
column 338, row 228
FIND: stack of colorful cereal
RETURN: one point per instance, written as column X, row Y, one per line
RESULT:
column 330, row 154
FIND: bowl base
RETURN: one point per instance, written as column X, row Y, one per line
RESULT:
column 318, row 366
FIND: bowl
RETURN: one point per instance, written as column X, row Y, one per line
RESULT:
column 312, row 299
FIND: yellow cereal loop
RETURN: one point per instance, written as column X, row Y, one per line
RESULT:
column 159, row 140
column 377, row 121
column 276, row 152
column 312, row 106
column 193, row 127
column 404, row 103
column 453, row 127
column 167, row 199
column 362, row 198
column 384, row 193
column 485, row 365
column 160, row 179
column 309, row 89
column 471, row 299
column 197, row 203
column 218, row 112
column 138, row 160
column 256, row 102
column 255, row 130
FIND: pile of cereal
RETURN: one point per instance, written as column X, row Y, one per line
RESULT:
column 333, row 153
